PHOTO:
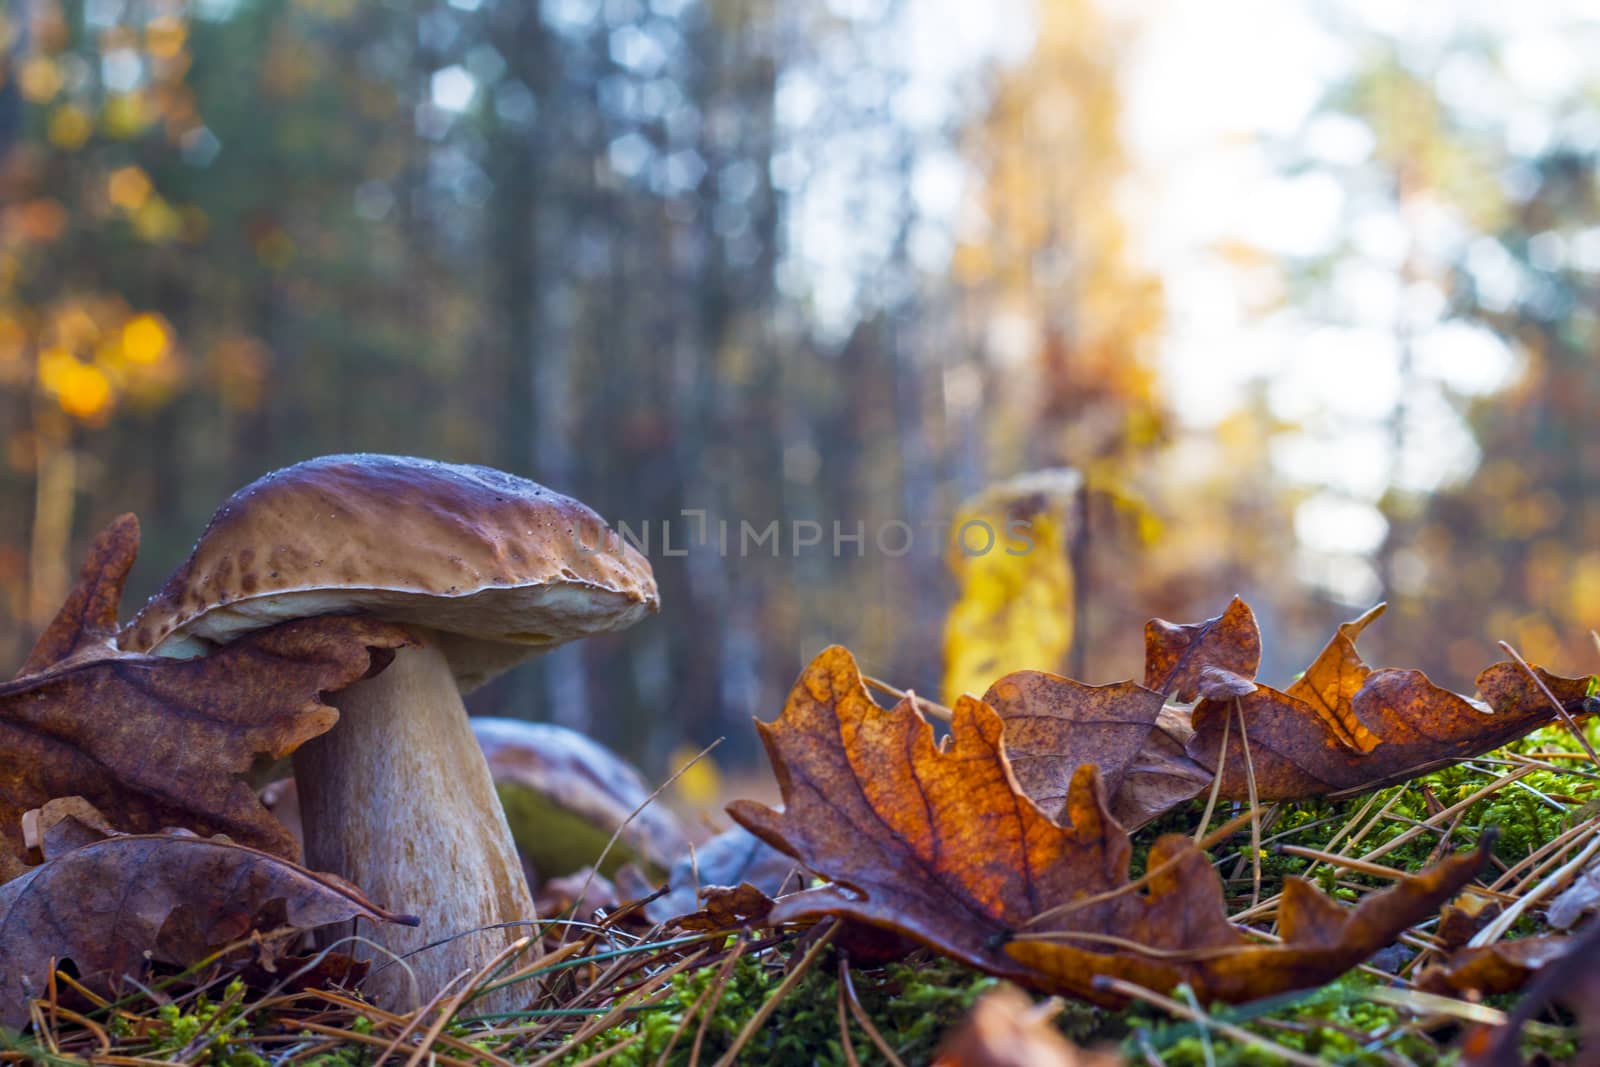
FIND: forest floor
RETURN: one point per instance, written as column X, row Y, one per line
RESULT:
column 784, row 997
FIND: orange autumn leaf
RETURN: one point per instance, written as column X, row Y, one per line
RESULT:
column 939, row 844
column 1331, row 683
column 154, row 742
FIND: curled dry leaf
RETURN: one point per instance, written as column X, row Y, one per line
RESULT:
column 1344, row 727
column 1004, row 1029
column 154, row 742
column 1488, row 970
column 110, row 905
column 1161, row 775
column 1570, row 979
column 727, row 907
column 939, row 844
column 1177, row 655
column 87, row 622
column 1329, row 686
column 732, row 858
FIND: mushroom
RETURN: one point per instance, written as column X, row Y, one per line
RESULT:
column 486, row 569
column 566, row 796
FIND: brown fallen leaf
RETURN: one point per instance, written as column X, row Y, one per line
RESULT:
column 1571, row 979
column 1488, row 970
column 110, row 906
column 727, row 907
column 1005, row 1029
column 1462, row 918
column 154, row 742
column 1178, row 930
column 733, row 857
column 1345, row 727
column 1507, row 689
column 1053, row 725
column 1161, row 775
column 940, row 844
column 87, row 621
column 1177, row 654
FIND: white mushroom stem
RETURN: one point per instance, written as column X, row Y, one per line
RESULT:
column 397, row 798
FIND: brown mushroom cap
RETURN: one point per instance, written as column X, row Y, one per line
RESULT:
column 499, row 565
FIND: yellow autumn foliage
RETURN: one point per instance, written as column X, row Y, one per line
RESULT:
column 1010, row 551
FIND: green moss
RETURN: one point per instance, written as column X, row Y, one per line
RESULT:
column 555, row 839
column 912, row 1004
column 204, row 1031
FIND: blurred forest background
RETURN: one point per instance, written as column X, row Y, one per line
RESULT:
column 1308, row 292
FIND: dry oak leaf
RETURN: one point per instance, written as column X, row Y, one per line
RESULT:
column 86, row 624
column 1162, row 775
column 154, row 742
column 111, row 905
column 940, row 844
column 1176, row 655
column 1344, row 727
column 1053, row 725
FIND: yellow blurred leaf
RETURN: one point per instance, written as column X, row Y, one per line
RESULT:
column 129, row 188
column 82, row 390
column 699, row 787
column 70, row 127
column 39, row 79
column 164, row 36
column 1010, row 555
column 156, row 221
column 144, row 339
column 125, row 116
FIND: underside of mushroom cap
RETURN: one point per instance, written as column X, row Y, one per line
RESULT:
column 500, row 564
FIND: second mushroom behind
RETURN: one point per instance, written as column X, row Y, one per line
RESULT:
column 486, row 569
column 572, row 802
